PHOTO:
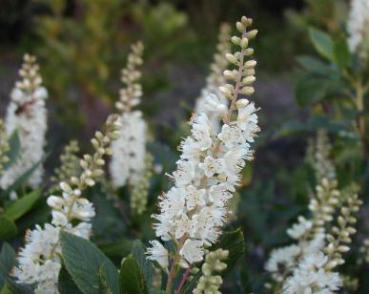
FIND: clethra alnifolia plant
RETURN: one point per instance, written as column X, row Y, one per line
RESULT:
column 193, row 212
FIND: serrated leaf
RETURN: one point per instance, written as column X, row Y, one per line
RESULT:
column 132, row 280
column 322, row 42
column 14, row 147
column 138, row 252
column 21, row 206
column 85, row 262
column 7, row 262
column 8, row 228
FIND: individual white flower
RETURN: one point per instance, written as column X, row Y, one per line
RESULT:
column 192, row 251
column 300, row 228
column 282, row 259
column 27, row 115
column 358, row 28
column 195, row 197
column 157, row 252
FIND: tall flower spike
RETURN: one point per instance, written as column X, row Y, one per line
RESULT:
column 216, row 78
column 128, row 159
column 39, row 262
column 193, row 212
column 4, row 147
column 358, row 28
column 26, row 114
column 310, row 234
column 69, row 165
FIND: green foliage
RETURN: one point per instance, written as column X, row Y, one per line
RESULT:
column 322, row 43
column 8, row 229
column 21, row 206
column 132, row 279
column 7, row 262
column 89, row 268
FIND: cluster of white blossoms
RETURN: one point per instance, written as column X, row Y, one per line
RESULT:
column 210, row 280
column 358, row 28
column 4, row 147
column 193, row 212
column 129, row 150
column 216, row 78
column 307, row 266
column 39, row 262
column 26, row 114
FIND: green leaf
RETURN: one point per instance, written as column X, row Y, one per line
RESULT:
column 21, row 206
column 132, row 279
column 310, row 89
column 322, row 42
column 341, row 54
column 8, row 228
column 313, row 65
column 85, row 263
column 138, row 252
column 7, row 262
column 14, row 147
column 66, row 284
column 6, row 290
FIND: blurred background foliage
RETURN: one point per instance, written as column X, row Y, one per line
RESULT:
column 83, row 44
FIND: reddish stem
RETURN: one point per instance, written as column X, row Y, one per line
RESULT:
column 183, row 281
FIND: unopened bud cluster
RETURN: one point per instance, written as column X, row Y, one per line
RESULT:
column 69, row 164
column 339, row 238
column 4, row 147
column 244, row 74
column 210, row 281
column 141, row 188
column 130, row 95
column 39, row 262
column 26, row 115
